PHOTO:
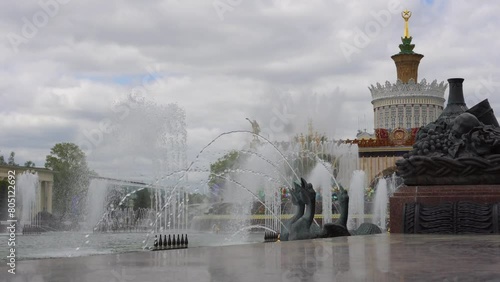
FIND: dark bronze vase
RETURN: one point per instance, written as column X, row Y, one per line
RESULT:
column 456, row 103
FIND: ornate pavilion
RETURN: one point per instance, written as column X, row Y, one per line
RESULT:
column 400, row 109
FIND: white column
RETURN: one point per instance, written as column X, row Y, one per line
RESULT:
column 404, row 116
column 381, row 117
column 396, row 118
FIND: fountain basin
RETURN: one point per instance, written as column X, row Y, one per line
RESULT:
column 433, row 196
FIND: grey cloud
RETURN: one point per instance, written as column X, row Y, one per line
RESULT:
column 261, row 56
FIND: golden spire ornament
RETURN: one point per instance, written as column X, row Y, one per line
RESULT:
column 406, row 16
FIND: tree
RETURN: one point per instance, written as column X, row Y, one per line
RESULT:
column 4, row 184
column 2, row 160
column 197, row 198
column 143, row 199
column 228, row 161
column 29, row 164
column 71, row 179
column 11, row 159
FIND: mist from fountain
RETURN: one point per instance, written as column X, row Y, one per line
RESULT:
column 266, row 167
column 272, row 207
column 394, row 183
column 152, row 138
column 169, row 203
column 323, row 174
column 96, row 202
column 321, row 180
column 278, row 167
column 259, row 176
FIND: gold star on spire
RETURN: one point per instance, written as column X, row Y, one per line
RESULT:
column 406, row 16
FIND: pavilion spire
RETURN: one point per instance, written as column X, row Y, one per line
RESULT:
column 406, row 60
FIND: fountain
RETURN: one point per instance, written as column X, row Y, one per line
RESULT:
column 96, row 202
column 264, row 175
column 385, row 188
column 263, row 179
column 27, row 185
column 380, row 206
column 357, row 200
column 272, row 167
column 152, row 138
column 114, row 206
column 322, row 180
column 272, row 171
column 267, row 175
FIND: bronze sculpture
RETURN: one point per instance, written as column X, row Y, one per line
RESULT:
column 461, row 147
column 300, row 227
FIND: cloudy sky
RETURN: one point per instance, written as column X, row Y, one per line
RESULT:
column 72, row 69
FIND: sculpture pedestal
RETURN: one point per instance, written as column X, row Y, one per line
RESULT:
column 446, row 202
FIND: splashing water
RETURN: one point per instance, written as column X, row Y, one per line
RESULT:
column 380, row 205
column 167, row 204
column 321, row 180
column 96, row 202
column 27, row 185
column 356, row 200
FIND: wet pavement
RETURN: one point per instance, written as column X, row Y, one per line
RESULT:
column 384, row 257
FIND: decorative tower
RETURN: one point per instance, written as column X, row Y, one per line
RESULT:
column 406, row 60
column 401, row 108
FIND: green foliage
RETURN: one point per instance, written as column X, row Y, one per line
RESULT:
column 228, row 161
column 65, row 155
column 71, row 179
column 10, row 160
column 115, row 196
column 3, row 197
column 143, row 199
column 197, row 198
